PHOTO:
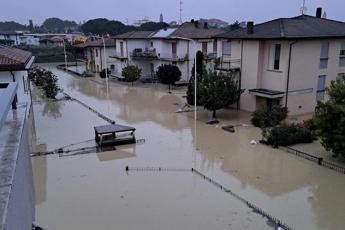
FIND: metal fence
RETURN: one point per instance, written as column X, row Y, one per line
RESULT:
column 319, row 160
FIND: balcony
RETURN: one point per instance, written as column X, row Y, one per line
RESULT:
column 147, row 54
column 210, row 56
column 119, row 55
column 226, row 63
column 170, row 57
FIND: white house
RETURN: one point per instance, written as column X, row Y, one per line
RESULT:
column 148, row 50
column 14, row 66
column 287, row 61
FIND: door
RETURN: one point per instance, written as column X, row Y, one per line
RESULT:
column 174, row 49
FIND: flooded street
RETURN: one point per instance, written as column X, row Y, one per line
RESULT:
column 93, row 191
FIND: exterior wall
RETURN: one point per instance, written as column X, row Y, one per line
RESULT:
column 304, row 71
column 21, row 206
column 250, row 73
column 23, row 92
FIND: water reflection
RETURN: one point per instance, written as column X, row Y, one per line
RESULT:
column 52, row 109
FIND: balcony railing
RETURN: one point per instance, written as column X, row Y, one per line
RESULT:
column 227, row 63
column 146, row 54
column 172, row 57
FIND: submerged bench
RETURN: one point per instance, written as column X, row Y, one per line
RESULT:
column 112, row 135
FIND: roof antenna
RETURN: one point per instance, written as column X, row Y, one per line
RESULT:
column 180, row 22
column 303, row 9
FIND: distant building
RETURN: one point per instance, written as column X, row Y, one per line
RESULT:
column 214, row 23
column 94, row 54
column 138, row 23
column 161, row 19
column 287, row 61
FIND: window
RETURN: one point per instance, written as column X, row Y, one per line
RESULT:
column 321, row 88
column 151, row 43
column 324, row 55
column 277, row 51
column 96, row 52
column 226, row 48
column 342, row 54
column 112, row 67
column 215, row 46
column 121, row 49
column 204, row 48
column 341, row 76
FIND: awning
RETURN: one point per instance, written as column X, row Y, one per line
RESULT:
column 267, row 93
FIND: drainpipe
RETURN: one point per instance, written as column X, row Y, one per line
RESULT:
column 288, row 74
column 240, row 78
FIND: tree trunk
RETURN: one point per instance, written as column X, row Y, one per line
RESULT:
column 214, row 114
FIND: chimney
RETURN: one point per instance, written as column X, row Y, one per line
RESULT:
column 318, row 12
column 192, row 21
column 205, row 25
column 196, row 24
column 250, row 27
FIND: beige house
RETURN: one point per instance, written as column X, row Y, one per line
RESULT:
column 94, row 50
column 287, row 61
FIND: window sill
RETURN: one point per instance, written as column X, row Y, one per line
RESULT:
column 274, row 70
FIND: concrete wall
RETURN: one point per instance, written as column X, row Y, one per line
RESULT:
column 21, row 207
column 21, row 77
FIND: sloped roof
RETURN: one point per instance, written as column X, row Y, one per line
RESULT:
column 300, row 27
column 109, row 42
column 195, row 31
column 13, row 59
column 135, row 35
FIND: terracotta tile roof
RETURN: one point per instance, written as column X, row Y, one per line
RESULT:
column 13, row 59
column 109, row 42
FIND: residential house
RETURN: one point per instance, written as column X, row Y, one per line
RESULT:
column 287, row 61
column 98, row 58
column 14, row 66
column 148, row 50
column 10, row 38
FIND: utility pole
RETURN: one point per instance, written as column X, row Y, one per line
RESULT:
column 180, row 22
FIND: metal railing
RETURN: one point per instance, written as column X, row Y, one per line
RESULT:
column 147, row 53
column 227, row 63
column 319, row 160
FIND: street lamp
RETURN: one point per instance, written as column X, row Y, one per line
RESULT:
column 64, row 51
column 195, row 70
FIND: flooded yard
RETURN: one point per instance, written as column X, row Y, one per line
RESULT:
column 93, row 191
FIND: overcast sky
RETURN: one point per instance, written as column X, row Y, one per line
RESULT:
column 123, row 10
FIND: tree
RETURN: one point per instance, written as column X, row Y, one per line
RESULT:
column 329, row 118
column 57, row 25
column 45, row 80
column 266, row 118
column 131, row 73
column 200, row 69
column 102, row 26
column 234, row 26
column 152, row 26
column 219, row 90
column 168, row 74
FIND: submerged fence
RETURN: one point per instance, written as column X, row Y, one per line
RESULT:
column 319, row 160
column 271, row 219
column 91, row 109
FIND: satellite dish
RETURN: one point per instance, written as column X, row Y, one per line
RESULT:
column 303, row 10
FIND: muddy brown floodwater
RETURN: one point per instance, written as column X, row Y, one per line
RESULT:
column 93, row 191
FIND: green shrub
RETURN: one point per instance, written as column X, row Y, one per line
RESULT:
column 131, row 73
column 168, row 74
column 45, row 80
column 290, row 134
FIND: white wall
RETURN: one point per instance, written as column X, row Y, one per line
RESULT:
column 21, row 77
